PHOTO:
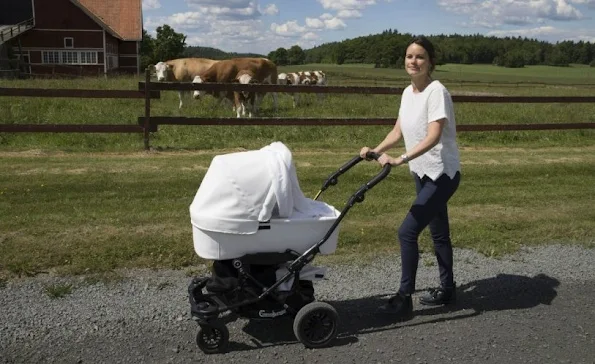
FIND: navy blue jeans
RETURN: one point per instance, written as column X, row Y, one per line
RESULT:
column 429, row 208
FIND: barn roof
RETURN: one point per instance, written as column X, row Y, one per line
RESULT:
column 122, row 18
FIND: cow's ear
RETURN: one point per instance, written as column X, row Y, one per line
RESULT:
column 151, row 68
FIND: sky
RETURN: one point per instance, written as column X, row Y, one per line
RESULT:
column 262, row 26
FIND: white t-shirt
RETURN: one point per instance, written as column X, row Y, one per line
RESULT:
column 417, row 110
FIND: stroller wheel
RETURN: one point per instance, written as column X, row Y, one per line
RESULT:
column 316, row 324
column 213, row 338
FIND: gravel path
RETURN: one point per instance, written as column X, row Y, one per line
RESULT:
column 533, row 307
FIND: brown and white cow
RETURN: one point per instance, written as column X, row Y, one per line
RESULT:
column 182, row 70
column 294, row 78
column 242, row 70
column 317, row 78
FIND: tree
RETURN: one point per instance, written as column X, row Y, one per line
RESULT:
column 296, row 55
column 168, row 44
column 147, row 46
column 279, row 57
column 341, row 54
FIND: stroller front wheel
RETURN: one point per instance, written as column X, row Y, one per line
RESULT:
column 316, row 324
column 213, row 338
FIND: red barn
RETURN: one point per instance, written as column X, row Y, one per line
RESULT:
column 77, row 37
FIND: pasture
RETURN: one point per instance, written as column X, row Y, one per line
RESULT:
column 92, row 203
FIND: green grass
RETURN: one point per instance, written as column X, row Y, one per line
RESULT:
column 93, row 203
column 88, row 213
column 58, row 290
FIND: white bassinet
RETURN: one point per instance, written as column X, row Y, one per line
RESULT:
column 251, row 202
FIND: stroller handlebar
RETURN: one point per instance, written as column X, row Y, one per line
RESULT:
column 372, row 155
column 333, row 178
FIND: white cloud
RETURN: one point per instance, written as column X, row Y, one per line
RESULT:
column 289, row 29
column 335, row 24
column 548, row 33
column 314, row 23
column 186, row 19
column 346, row 4
column 493, row 13
column 271, row 9
column 222, row 3
column 346, row 14
column 326, row 16
column 151, row 4
column 310, row 36
column 227, row 9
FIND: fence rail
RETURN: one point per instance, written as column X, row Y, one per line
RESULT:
column 148, row 90
column 376, row 90
column 76, row 93
column 180, row 120
column 73, row 128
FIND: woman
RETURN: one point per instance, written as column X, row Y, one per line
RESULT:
column 427, row 124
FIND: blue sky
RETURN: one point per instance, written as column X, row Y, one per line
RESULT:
column 261, row 26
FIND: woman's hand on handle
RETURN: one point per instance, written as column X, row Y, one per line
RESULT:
column 387, row 159
column 364, row 151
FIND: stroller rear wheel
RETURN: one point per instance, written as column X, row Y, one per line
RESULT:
column 213, row 337
column 316, row 324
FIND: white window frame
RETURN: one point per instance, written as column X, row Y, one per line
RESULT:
column 69, row 57
column 71, row 42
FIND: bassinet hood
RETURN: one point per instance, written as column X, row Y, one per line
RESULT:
column 241, row 189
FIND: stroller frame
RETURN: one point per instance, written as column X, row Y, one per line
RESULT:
column 315, row 324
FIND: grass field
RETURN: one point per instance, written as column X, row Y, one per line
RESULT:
column 89, row 203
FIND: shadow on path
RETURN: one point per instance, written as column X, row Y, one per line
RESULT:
column 359, row 316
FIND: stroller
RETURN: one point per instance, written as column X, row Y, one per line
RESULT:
column 250, row 217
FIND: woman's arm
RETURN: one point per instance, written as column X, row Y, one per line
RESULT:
column 432, row 138
column 391, row 139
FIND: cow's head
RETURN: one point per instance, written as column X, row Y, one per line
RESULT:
column 162, row 70
column 245, row 79
column 198, row 93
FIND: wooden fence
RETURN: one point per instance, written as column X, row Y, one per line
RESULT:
column 148, row 90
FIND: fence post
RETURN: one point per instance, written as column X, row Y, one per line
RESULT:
column 147, row 107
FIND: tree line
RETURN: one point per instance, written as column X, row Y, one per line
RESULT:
column 386, row 50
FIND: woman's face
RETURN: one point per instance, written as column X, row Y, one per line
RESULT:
column 417, row 61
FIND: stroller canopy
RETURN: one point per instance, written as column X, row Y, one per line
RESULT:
column 242, row 189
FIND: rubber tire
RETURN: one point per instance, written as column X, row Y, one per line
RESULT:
column 316, row 324
column 213, row 338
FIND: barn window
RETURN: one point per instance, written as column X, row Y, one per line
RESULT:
column 68, row 42
column 51, row 57
column 88, row 57
column 69, row 57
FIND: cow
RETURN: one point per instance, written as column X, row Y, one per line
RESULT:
column 240, row 70
column 182, row 70
column 294, row 78
column 318, row 78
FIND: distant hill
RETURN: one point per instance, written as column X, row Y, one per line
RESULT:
column 214, row 53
